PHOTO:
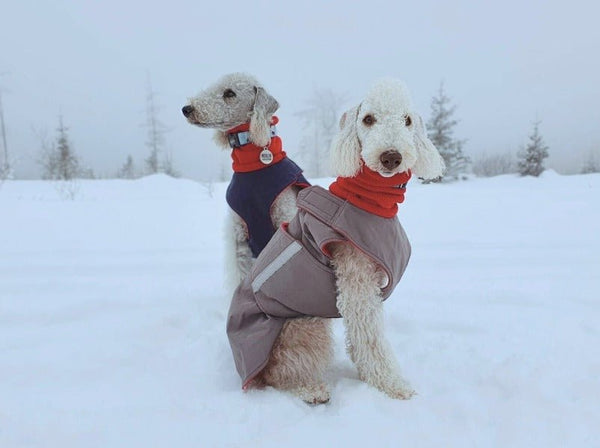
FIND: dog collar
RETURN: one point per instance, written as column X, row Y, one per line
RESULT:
column 240, row 135
column 237, row 139
column 249, row 157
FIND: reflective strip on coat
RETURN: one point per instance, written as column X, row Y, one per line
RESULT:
column 292, row 276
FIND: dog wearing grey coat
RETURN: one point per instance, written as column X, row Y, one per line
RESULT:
column 384, row 134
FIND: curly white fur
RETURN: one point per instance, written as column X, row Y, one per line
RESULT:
column 302, row 352
column 235, row 99
column 396, row 127
column 360, row 304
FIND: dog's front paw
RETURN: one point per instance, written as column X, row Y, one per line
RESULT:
column 399, row 390
column 393, row 386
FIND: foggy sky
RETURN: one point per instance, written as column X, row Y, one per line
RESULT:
column 504, row 64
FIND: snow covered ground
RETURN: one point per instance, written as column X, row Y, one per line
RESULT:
column 112, row 316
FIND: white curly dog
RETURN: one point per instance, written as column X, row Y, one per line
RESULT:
column 235, row 100
column 385, row 134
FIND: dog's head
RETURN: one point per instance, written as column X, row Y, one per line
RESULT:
column 387, row 134
column 233, row 100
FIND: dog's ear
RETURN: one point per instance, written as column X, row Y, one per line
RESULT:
column 429, row 164
column 260, row 118
column 345, row 149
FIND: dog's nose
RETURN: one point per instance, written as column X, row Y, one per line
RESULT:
column 187, row 110
column 390, row 159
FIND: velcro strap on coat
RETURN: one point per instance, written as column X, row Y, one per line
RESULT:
column 320, row 203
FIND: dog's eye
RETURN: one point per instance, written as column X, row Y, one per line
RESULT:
column 369, row 120
column 229, row 94
column 407, row 120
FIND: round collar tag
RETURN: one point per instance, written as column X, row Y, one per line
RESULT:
column 266, row 156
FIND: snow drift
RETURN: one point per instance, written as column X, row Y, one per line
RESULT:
column 112, row 322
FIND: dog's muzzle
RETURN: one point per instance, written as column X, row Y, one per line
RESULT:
column 187, row 110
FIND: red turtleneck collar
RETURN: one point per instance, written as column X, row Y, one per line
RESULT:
column 372, row 192
column 247, row 158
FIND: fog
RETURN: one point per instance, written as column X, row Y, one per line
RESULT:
column 504, row 65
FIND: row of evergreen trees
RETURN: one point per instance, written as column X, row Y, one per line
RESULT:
column 319, row 120
column 440, row 128
column 59, row 161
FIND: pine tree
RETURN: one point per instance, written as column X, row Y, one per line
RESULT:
column 127, row 171
column 440, row 130
column 531, row 159
column 59, row 161
column 156, row 131
column 67, row 162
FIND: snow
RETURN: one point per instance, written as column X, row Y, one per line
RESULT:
column 112, row 316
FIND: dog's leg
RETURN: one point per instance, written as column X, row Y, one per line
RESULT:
column 239, row 259
column 238, row 254
column 361, row 307
column 284, row 207
column 299, row 359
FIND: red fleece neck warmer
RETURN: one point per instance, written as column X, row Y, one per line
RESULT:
column 247, row 158
column 372, row 192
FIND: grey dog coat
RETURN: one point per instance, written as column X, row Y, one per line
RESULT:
column 292, row 277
